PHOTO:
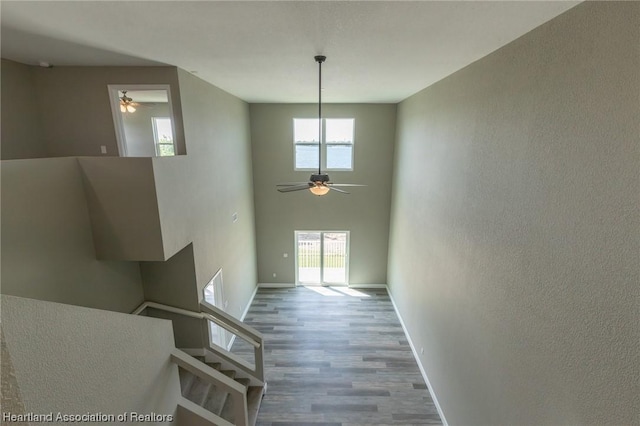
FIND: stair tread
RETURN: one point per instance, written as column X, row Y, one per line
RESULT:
column 217, row 396
column 199, row 391
column 186, row 379
column 254, row 399
column 229, row 373
column 243, row 381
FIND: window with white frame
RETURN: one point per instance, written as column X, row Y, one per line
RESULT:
column 163, row 136
column 336, row 144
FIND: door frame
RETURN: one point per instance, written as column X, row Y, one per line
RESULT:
column 346, row 266
column 118, row 123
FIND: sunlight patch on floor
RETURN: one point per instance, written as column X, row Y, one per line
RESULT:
column 325, row 291
column 336, row 291
column 351, row 292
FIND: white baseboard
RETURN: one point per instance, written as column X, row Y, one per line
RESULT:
column 246, row 309
column 276, row 285
column 415, row 355
column 368, row 286
column 244, row 314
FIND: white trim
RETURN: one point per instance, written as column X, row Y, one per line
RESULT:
column 276, row 285
column 244, row 314
column 368, row 286
column 415, row 355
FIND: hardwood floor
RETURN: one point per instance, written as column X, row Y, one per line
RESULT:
column 336, row 356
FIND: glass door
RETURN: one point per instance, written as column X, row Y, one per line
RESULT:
column 322, row 257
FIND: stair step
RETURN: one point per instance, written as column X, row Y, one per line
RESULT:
column 218, row 397
column 243, row 381
column 254, row 399
column 199, row 391
column 186, row 379
column 214, row 365
column 229, row 373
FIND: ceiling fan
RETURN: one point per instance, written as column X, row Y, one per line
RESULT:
column 126, row 103
column 318, row 184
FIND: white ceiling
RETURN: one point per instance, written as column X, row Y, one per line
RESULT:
column 262, row 51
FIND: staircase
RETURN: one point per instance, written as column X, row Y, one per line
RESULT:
column 216, row 399
column 219, row 388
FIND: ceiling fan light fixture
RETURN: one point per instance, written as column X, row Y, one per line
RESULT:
column 318, row 184
column 126, row 103
column 319, row 189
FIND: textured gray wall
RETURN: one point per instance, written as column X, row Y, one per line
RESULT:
column 515, row 228
column 364, row 212
column 21, row 124
column 81, row 128
column 199, row 192
column 47, row 243
column 123, row 208
column 77, row 360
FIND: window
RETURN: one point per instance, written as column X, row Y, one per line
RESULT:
column 163, row 136
column 337, row 143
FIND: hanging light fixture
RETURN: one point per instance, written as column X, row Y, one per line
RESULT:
column 318, row 184
column 319, row 188
column 126, row 103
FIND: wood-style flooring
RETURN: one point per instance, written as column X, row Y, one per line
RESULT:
column 336, row 356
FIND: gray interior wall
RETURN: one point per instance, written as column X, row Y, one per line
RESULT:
column 160, row 280
column 76, row 111
column 47, row 244
column 365, row 212
column 138, row 128
column 515, row 226
column 77, row 360
column 198, row 194
column 123, row 208
column 21, row 124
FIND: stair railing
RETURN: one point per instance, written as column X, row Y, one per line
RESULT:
column 213, row 314
column 236, row 391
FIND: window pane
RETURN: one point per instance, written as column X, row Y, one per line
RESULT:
column 339, row 156
column 305, row 130
column 163, row 136
column 306, row 156
column 165, row 150
column 339, row 130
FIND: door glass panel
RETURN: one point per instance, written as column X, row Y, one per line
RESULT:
column 334, row 257
column 309, row 271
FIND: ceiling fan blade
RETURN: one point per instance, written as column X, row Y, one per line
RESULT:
column 294, row 188
column 293, row 183
column 344, row 184
column 339, row 190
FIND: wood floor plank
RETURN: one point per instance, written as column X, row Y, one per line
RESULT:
column 336, row 359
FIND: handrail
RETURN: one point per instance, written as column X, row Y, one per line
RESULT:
column 229, row 323
column 251, row 337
